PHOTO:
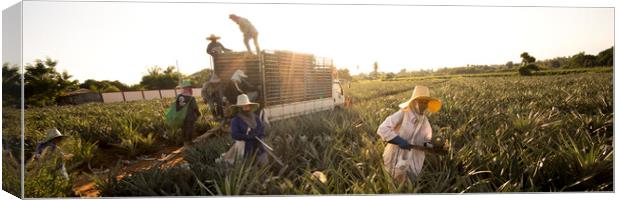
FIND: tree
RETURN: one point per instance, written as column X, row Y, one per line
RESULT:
column 43, row 84
column 389, row 76
column 606, row 57
column 524, row 71
column 136, row 87
column 161, row 79
column 344, row 74
column 375, row 72
column 11, row 85
column 509, row 65
column 111, row 88
column 527, row 59
column 104, row 86
column 554, row 63
column 583, row 60
column 375, row 67
column 201, row 77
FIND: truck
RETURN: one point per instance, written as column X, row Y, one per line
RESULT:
column 289, row 84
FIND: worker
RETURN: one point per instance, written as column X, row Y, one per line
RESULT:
column 248, row 30
column 214, row 48
column 49, row 151
column 408, row 126
column 213, row 95
column 240, row 83
column 247, row 126
column 186, row 99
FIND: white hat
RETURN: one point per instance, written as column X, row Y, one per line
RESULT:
column 214, row 79
column 238, row 75
column 422, row 92
column 243, row 100
column 52, row 133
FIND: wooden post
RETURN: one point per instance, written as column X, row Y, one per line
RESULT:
column 261, row 65
column 160, row 96
column 100, row 97
column 143, row 98
column 123, row 93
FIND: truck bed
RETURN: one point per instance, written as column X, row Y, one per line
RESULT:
column 287, row 77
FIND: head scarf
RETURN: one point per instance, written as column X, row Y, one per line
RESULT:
column 248, row 117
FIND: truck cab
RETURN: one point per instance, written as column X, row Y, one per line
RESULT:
column 338, row 94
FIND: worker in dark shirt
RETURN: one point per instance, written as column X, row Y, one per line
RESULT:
column 187, row 99
column 214, row 48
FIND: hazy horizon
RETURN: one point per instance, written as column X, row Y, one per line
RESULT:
column 118, row 41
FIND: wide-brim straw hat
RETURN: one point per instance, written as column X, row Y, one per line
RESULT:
column 243, row 100
column 185, row 83
column 213, row 37
column 422, row 92
column 51, row 134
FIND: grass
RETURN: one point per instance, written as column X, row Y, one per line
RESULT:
column 544, row 72
column 508, row 134
column 515, row 134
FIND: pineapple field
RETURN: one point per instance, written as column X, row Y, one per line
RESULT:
column 506, row 134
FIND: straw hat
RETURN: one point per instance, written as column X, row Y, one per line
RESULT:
column 243, row 100
column 422, row 92
column 214, row 79
column 52, row 133
column 185, row 83
column 213, row 37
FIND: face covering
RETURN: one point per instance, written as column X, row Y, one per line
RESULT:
column 249, row 118
column 416, row 109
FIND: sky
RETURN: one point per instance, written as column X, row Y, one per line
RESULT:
column 119, row 40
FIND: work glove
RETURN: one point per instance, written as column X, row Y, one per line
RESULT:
column 402, row 143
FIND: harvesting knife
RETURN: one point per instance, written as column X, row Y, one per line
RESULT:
column 439, row 151
column 269, row 150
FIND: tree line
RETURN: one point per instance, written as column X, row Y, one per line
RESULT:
column 579, row 60
column 43, row 84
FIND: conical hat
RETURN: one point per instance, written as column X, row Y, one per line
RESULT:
column 52, row 133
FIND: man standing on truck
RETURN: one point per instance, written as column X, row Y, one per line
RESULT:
column 249, row 32
column 214, row 48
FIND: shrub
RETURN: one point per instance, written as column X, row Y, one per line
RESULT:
column 524, row 71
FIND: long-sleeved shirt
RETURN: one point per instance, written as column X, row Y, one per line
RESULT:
column 215, row 48
column 53, row 153
column 246, row 27
column 408, row 123
column 239, row 131
column 192, row 111
column 211, row 92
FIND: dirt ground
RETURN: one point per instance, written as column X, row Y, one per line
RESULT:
column 167, row 157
